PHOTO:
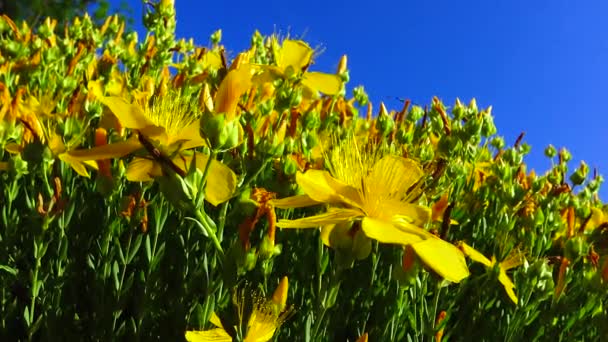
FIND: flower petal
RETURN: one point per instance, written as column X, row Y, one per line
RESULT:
column 513, row 260
column 215, row 320
column 394, row 174
column 386, row 232
column 211, row 59
column 109, row 151
column 77, row 165
column 260, row 330
column 413, row 213
column 143, row 170
column 331, row 217
column 298, row 201
column 129, row 115
column 328, row 84
column 235, row 83
column 221, row 180
column 326, row 233
column 213, row 335
column 443, row 258
column 190, row 134
column 294, row 53
column 474, row 255
column 504, row 279
column 322, row 187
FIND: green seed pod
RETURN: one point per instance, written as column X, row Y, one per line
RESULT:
column 579, row 176
column 404, row 136
column 458, row 111
column 488, row 128
column 565, row 155
column 384, row 123
column 550, row 151
column 268, row 249
column 290, row 167
column 415, row 114
column 222, row 134
column 360, row 96
column 216, row 37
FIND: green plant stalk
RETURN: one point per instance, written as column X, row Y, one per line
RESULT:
column 208, row 230
column 122, row 277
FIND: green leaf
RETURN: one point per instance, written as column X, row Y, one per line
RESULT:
column 8, row 269
column 134, row 248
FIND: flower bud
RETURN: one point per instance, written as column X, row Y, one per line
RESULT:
column 458, row 110
column 498, row 143
column 360, row 96
column 342, row 65
column 290, row 167
column 384, row 123
column 279, row 296
column 473, row 106
column 268, row 249
column 564, row 155
column 579, row 176
column 216, row 37
column 415, row 114
column 222, row 135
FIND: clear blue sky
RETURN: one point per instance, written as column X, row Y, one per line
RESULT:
column 541, row 64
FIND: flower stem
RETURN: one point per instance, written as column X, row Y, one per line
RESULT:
column 202, row 219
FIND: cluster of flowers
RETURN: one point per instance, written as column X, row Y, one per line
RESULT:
column 204, row 129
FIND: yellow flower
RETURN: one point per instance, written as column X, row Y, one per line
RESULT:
column 505, row 265
column 375, row 190
column 264, row 318
column 220, row 124
column 226, row 99
column 31, row 112
column 166, row 130
column 294, row 57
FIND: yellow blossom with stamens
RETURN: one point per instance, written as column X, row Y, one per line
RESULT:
column 505, row 265
column 171, row 128
column 294, row 57
column 378, row 190
column 265, row 318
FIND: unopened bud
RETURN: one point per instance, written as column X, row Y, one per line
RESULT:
column 579, row 176
column 342, row 66
column 279, row 296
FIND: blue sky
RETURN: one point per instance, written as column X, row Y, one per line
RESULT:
column 542, row 65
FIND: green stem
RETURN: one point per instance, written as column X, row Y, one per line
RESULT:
column 436, row 305
column 209, row 230
column 256, row 174
column 222, row 220
column 333, row 284
column 122, row 277
column 34, row 290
